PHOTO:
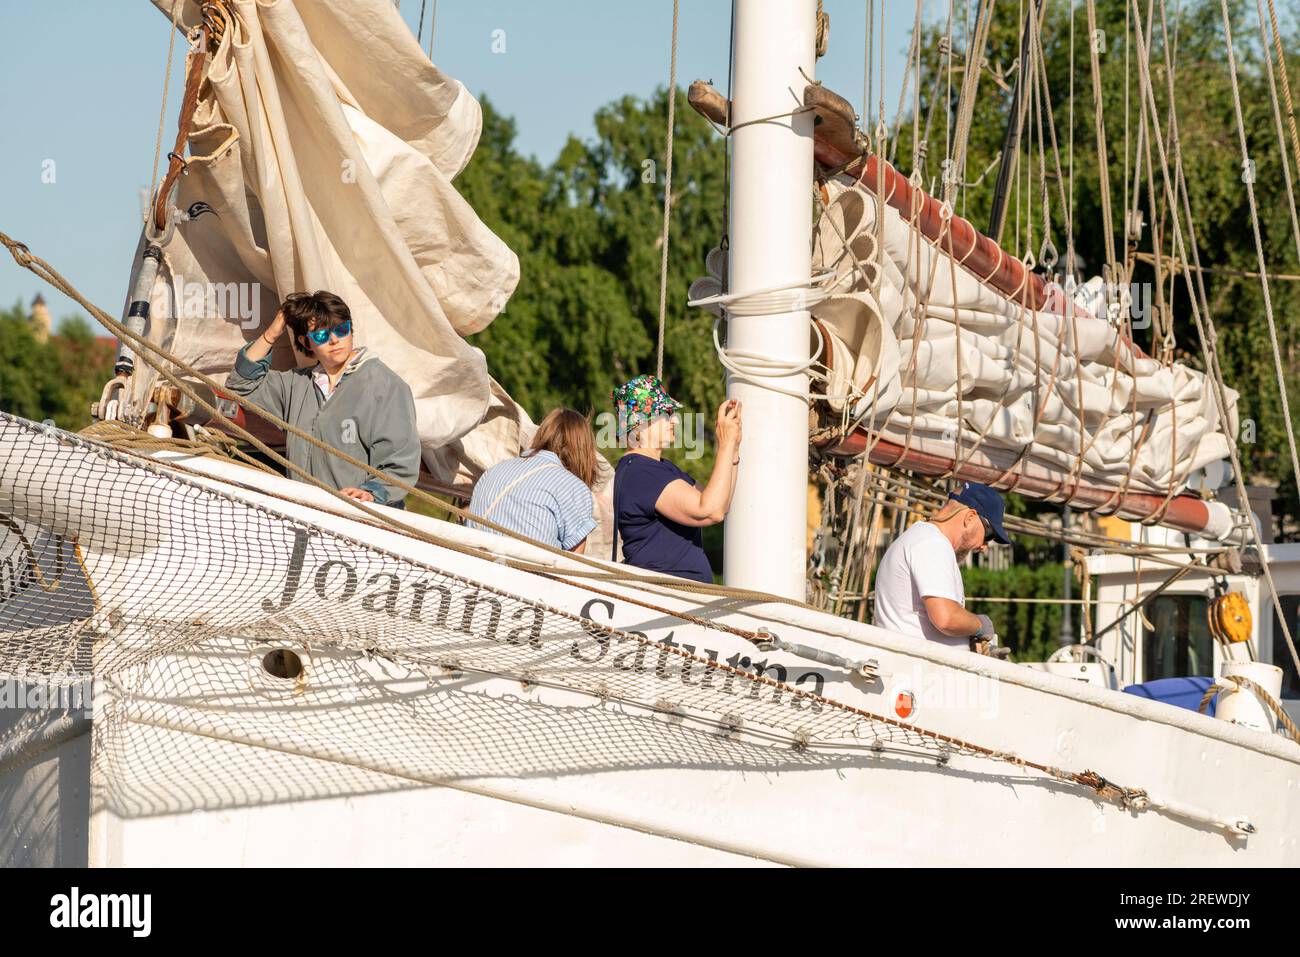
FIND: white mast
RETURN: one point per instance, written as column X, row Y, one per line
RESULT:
column 771, row 226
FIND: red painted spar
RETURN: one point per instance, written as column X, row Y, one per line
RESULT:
column 978, row 253
column 975, row 252
column 1185, row 512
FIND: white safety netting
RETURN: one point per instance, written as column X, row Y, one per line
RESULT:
column 170, row 595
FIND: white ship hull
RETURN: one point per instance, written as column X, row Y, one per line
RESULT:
column 603, row 750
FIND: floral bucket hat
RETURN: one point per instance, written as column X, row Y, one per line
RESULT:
column 642, row 400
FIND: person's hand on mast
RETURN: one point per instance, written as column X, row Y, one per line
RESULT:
column 688, row 504
column 729, row 431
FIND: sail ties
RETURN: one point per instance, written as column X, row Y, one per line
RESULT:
column 217, row 17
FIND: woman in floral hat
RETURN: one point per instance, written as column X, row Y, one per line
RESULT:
column 658, row 509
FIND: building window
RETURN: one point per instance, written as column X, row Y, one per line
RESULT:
column 1179, row 644
column 1282, row 654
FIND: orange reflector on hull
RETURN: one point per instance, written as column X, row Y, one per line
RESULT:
column 904, row 704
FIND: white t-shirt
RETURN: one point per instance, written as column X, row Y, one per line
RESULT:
column 919, row 564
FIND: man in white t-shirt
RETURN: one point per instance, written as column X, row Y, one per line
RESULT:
column 918, row 584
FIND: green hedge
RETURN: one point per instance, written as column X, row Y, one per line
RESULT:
column 1032, row 631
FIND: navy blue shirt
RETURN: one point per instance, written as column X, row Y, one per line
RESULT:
column 650, row 540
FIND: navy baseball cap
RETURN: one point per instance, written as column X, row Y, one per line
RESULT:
column 988, row 504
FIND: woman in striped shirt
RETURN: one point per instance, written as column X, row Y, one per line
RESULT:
column 545, row 493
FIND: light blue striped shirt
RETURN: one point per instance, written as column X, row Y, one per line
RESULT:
column 535, row 495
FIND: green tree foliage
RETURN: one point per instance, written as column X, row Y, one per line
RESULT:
column 1032, row 631
column 55, row 380
column 587, row 231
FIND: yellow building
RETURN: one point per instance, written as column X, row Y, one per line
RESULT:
column 1114, row 527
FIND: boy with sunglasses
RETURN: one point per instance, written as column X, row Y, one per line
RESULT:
column 349, row 399
column 919, row 589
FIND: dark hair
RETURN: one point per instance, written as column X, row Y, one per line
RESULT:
column 305, row 311
column 568, row 434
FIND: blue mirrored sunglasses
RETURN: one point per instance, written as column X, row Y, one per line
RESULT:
column 322, row 336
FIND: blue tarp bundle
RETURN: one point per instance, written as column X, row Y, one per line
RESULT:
column 1179, row 692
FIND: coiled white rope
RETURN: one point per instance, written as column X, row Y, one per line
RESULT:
column 753, row 367
column 771, row 300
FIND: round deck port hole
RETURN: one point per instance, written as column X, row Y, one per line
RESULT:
column 282, row 663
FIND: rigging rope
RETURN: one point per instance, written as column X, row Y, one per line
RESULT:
column 1103, row 153
column 913, row 57
column 966, row 99
column 866, row 66
column 1205, row 328
column 155, row 357
column 162, row 109
column 1176, row 266
column 194, row 68
column 668, row 199
column 725, row 245
column 1286, row 79
column 1248, row 176
column 922, row 147
column 1254, row 215
column 208, row 442
column 1051, row 129
column 1070, row 265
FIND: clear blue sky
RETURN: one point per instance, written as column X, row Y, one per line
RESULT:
column 81, row 81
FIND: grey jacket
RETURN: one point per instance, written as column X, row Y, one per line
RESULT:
column 370, row 416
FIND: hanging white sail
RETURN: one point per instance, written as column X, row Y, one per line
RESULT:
column 327, row 173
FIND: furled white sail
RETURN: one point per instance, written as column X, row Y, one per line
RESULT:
column 1058, row 393
column 326, row 143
